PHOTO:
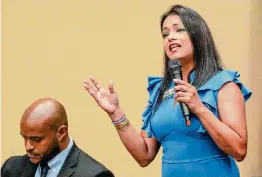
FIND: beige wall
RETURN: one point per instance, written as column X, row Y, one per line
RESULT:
column 253, row 163
column 50, row 47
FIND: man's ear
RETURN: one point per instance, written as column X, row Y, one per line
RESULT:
column 61, row 133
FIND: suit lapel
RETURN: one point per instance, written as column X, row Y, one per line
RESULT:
column 28, row 169
column 70, row 163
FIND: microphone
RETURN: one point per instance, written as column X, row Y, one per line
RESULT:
column 174, row 67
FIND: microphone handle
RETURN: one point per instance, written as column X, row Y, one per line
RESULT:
column 184, row 107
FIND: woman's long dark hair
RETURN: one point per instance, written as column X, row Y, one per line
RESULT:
column 206, row 57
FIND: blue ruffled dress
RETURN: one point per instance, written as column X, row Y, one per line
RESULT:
column 189, row 151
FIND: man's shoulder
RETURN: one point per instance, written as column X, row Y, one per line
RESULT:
column 86, row 158
column 90, row 164
column 12, row 165
column 15, row 160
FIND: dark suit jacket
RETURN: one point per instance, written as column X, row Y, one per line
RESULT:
column 77, row 164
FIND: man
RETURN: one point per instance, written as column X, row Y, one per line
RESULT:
column 50, row 151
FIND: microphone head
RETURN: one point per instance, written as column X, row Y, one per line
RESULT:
column 174, row 64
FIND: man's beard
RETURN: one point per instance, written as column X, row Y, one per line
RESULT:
column 47, row 157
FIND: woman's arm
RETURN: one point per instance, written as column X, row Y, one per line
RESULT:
column 230, row 132
column 143, row 149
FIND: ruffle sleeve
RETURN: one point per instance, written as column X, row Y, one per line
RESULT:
column 153, row 88
column 208, row 92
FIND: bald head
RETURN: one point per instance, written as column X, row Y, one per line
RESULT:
column 48, row 110
column 44, row 129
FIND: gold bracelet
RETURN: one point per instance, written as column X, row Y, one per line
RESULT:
column 123, row 125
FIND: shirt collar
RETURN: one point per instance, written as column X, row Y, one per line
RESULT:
column 57, row 162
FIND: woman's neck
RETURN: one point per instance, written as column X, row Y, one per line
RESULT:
column 186, row 69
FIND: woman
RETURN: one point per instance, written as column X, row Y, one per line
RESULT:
column 214, row 96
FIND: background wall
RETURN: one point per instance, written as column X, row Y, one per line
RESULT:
column 50, row 47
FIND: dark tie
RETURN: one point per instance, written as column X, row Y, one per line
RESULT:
column 44, row 170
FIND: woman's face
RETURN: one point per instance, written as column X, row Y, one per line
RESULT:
column 177, row 43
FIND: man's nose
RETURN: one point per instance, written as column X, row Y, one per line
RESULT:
column 29, row 146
